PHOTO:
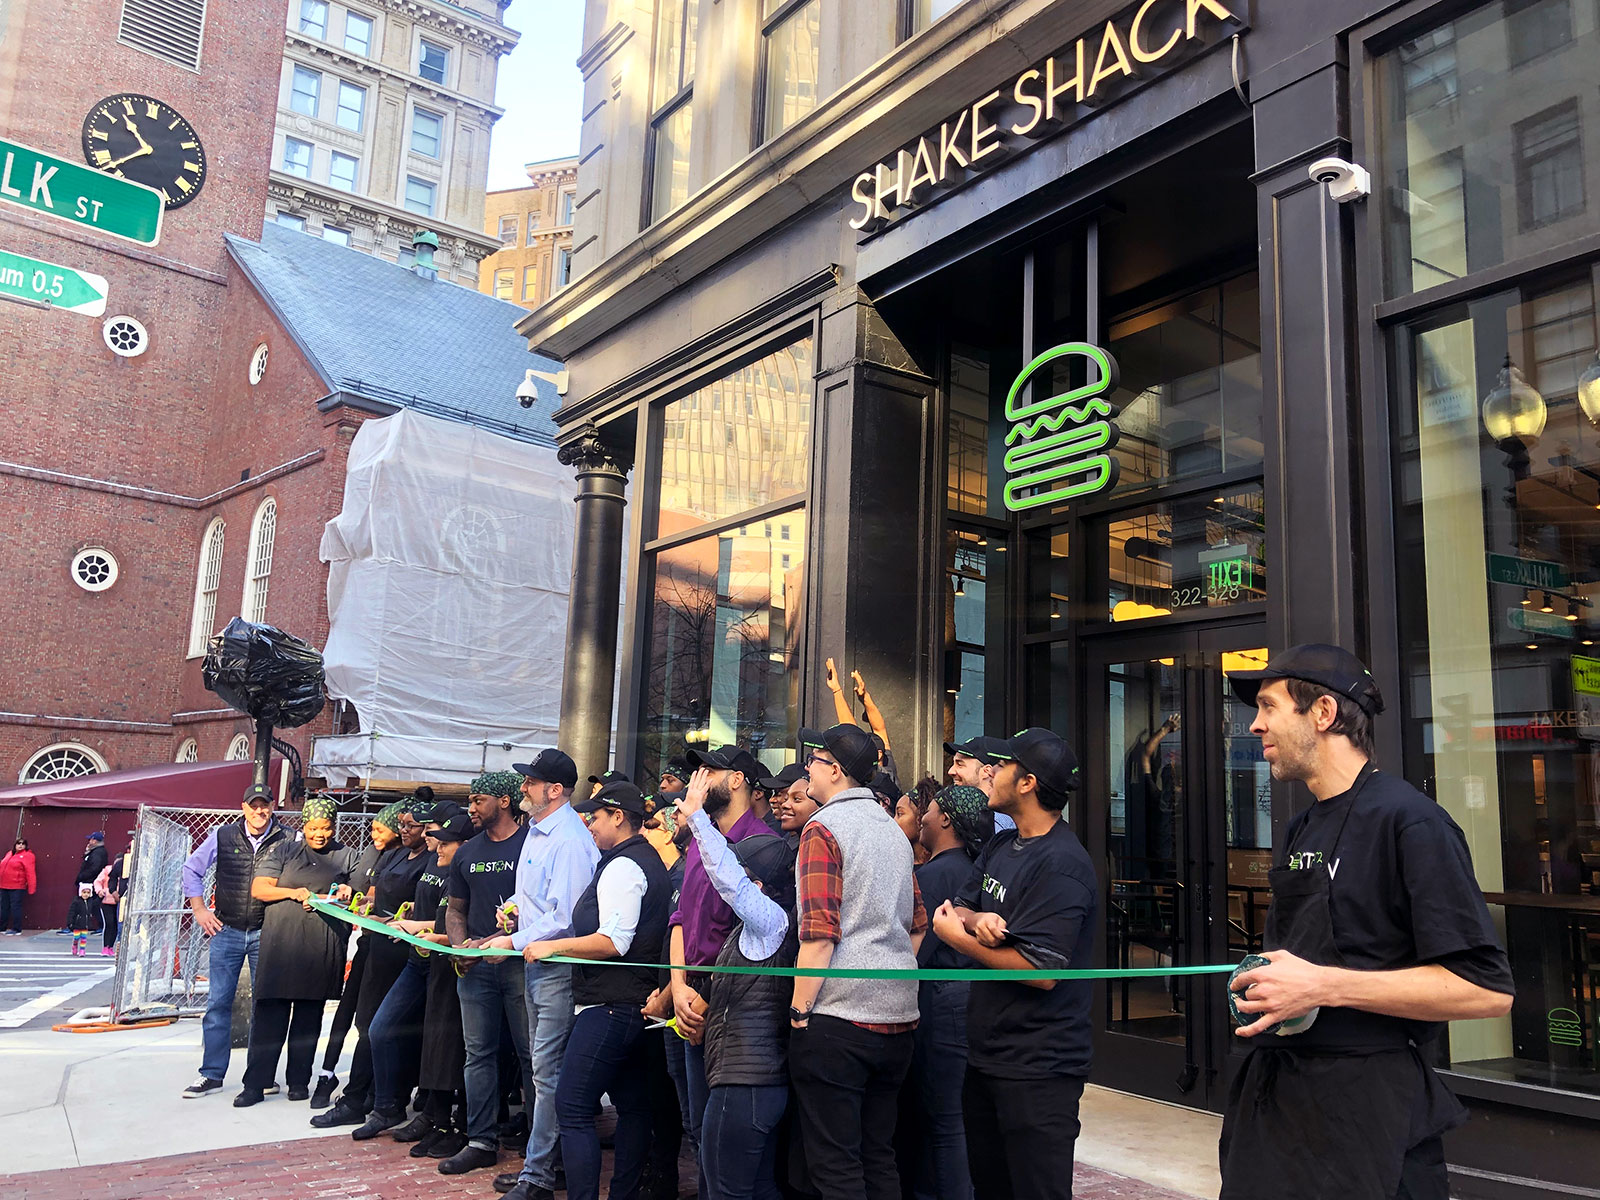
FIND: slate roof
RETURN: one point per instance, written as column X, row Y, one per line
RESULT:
column 379, row 331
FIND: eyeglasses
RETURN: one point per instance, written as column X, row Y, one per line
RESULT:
column 817, row 758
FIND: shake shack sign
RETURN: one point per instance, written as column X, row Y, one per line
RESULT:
column 1104, row 65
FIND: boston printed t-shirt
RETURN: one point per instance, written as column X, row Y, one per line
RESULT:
column 426, row 904
column 484, row 873
column 1045, row 889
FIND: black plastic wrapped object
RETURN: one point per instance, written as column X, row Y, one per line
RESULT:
column 265, row 672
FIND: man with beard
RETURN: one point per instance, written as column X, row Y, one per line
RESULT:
column 973, row 763
column 703, row 920
column 1379, row 931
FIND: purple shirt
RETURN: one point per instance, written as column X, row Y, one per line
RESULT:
column 705, row 916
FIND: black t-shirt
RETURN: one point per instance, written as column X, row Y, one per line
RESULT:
column 366, row 869
column 484, row 874
column 939, row 879
column 396, row 881
column 1045, row 889
column 428, row 904
column 1402, row 893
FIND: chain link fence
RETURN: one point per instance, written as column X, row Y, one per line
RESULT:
column 162, row 954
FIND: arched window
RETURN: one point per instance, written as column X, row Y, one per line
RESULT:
column 189, row 751
column 62, row 761
column 205, row 589
column 258, row 562
column 239, row 748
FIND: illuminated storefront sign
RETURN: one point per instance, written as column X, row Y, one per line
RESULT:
column 1059, row 447
column 1104, row 65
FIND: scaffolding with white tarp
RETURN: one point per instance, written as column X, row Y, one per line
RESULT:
column 448, row 575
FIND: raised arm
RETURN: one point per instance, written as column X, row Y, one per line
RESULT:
column 874, row 717
column 764, row 918
column 841, row 706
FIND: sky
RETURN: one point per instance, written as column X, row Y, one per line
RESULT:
column 540, row 89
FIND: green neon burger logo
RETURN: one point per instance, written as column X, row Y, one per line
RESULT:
column 1059, row 448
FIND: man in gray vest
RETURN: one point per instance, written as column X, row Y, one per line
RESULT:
column 859, row 907
column 234, row 928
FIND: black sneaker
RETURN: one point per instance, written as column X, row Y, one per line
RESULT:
column 427, row 1142
column 299, row 1093
column 506, row 1181
column 337, row 1115
column 468, row 1158
column 202, row 1087
column 249, row 1097
column 413, row 1130
column 530, row 1191
column 377, row 1122
column 323, row 1096
column 449, row 1144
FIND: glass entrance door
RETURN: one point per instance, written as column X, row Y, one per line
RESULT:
column 1176, row 812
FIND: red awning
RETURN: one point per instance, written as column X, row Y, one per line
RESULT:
column 171, row 785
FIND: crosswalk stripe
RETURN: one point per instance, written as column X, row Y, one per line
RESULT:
column 23, row 1013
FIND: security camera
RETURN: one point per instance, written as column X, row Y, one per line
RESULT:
column 1346, row 181
column 527, row 393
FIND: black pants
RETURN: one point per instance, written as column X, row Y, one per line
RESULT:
column 273, row 1021
column 11, row 901
column 109, row 914
column 345, row 1014
column 847, row 1080
column 385, row 961
column 1020, row 1135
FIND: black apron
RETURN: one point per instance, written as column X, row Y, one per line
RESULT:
column 1330, row 1122
column 302, row 953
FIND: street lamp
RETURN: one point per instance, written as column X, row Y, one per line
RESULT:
column 1589, row 391
column 1513, row 411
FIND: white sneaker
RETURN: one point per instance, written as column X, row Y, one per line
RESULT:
column 270, row 1090
column 202, row 1087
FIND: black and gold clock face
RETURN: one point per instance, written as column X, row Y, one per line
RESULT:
column 147, row 141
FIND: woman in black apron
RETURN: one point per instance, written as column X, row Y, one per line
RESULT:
column 1335, row 1110
column 301, row 966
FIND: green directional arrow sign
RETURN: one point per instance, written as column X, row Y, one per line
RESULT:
column 24, row 278
column 73, row 192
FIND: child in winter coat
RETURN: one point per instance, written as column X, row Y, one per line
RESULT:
column 83, row 919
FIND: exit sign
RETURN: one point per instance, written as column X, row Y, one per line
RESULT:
column 72, row 192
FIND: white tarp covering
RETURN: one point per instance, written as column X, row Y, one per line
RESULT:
column 448, row 575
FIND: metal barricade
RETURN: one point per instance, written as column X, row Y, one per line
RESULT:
column 162, row 954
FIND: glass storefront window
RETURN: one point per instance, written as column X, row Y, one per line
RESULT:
column 1481, row 160
column 975, row 566
column 1190, row 389
column 738, row 443
column 1498, row 510
column 1201, row 551
column 1049, row 572
column 726, row 617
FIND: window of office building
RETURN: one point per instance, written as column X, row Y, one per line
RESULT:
column 305, row 90
column 1481, row 158
column 352, row 106
column 563, row 271
column 357, row 33
column 420, row 195
column 427, row 132
column 530, row 283
column 314, row 18
column 533, row 226
column 672, row 122
column 569, row 203
column 339, row 237
column 432, row 61
column 508, row 230
column 504, row 281
column 297, row 157
column 922, row 13
column 725, row 608
column 342, row 170
column 290, row 221
column 792, row 36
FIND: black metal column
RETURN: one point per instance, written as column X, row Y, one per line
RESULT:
column 592, row 606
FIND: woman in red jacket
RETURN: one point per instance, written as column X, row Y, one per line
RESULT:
column 18, row 879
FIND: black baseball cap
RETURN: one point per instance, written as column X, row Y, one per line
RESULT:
column 1331, row 667
column 552, row 766
column 1042, row 754
column 983, row 748
column 784, row 779
column 728, row 758
column 611, row 777
column 850, row 746
column 620, row 795
column 768, row 858
column 886, row 783
column 454, row 826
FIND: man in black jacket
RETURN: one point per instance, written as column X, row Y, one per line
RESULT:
column 94, row 861
column 234, row 927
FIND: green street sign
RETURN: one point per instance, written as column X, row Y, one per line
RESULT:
column 1531, row 620
column 1526, row 572
column 42, row 182
column 46, row 283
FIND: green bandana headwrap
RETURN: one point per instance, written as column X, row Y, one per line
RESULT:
column 497, row 783
column 389, row 815
column 319, row 808
column 968, row 810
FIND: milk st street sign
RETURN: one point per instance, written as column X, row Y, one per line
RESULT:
column 61, row 188
column 31, row 279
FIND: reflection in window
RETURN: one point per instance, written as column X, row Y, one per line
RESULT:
column 504, row 281
column 718, row 458
column 305, row 90
column 670, row 187
column 1427, row 67
column 1549, row 166
column 342, row 170
column 1535, row 27
column 725, row 627
column 297, row 157
column 975, row 582
column 792, row 48
column 1499, row 555
column 1188, row 553
column 968, row 486
column 1190, row 389
column 672, row 121
column 926, row 12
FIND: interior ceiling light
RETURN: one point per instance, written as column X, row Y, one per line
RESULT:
column 1549, row 605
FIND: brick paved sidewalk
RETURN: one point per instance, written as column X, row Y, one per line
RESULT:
column 339, row 1169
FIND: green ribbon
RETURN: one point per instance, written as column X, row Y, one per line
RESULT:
column 332, row 909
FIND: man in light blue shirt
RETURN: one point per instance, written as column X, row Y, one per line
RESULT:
column 558, row 861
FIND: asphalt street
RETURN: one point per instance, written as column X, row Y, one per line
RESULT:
column 41, row 983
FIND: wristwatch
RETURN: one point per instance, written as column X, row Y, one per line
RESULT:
column 799, row 1014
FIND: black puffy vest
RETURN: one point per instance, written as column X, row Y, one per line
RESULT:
column 625, row 985
column 236, row 868
column 747, row 1018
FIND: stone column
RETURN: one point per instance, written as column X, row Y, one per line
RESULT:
column 591, row 657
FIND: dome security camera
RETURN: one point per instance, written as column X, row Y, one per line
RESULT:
column 1346, row 181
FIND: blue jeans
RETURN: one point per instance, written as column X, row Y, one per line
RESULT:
column 677, row 1071
column 396, row 1035
column 694, row 1069
column 491, row 987
column 938, row 1067
column 742, row 1124
column 607, row 1052
column 549, row 1004
column 230, row 948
